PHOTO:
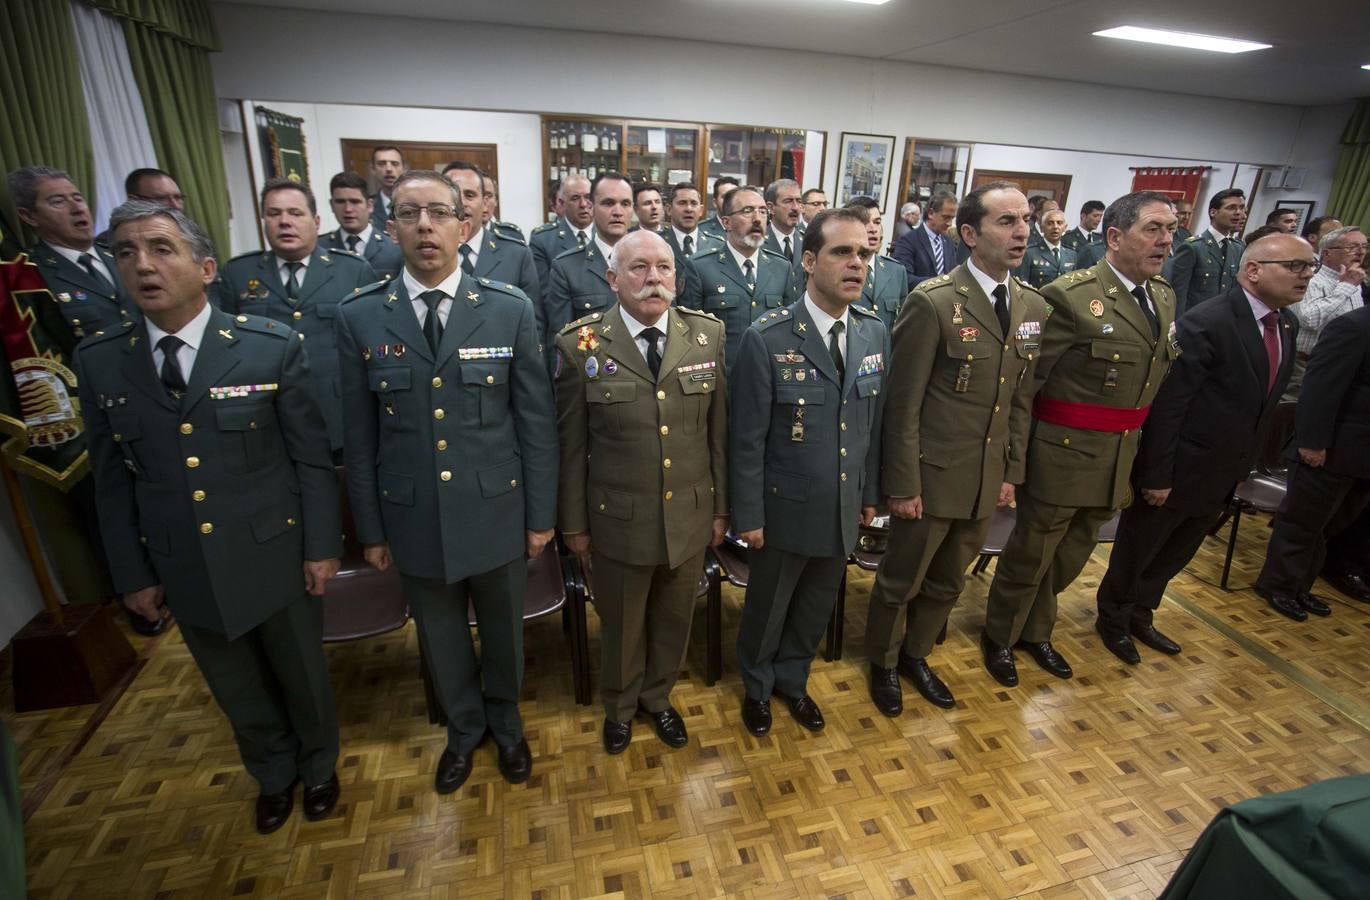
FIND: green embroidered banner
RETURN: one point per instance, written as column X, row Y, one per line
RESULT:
column 283, row 146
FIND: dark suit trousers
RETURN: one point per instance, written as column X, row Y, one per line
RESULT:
column 1319, row 504
column 645, row 614
column 476, row 693
column 273, row 685
column 789, row 602
column 1047, row 550
column 1348, row 553
column 1154, row 544
column 919, row 580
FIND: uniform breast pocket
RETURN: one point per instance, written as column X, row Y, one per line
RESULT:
column 772, row 300
column 715, row 301
column 607, row 402
column 867, row 390
column 391, row 386
column 248, row 434
column 795, row 410
column 487, row 392
column 698, row 388
column 126, row 430
column 1116, row 361
column 965, row 353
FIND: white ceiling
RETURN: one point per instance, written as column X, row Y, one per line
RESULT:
column 1316, row 58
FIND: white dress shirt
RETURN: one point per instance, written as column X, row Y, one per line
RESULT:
column 284, row 273
column 680, row 237
column 1260, row 311
column 74, row 256
column 192, row 334
column 795, row 241
column 824, row 322
column 605, row 250
column 988, row 285
column 474, row 243
column 740, row 260
column 635, row 328
column 364, row 235
column 448, row 288
column 1129, row 284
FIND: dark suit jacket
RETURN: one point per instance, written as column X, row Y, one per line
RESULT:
column 1334, row 402
column 914, row 251
column 381, row 252
column 1207, row 421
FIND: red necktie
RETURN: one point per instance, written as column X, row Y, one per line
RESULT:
column 1270, row 323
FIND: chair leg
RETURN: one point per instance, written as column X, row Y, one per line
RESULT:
column 1231, row 544
column 580, row 642
column 713, row 624
column 1222, row 520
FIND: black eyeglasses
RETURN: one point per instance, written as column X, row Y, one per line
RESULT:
column 1296, row 266
column 749, row 211
column 438, row 213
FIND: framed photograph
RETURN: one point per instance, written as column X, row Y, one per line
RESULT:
column 863, row 166
column 1304, row 207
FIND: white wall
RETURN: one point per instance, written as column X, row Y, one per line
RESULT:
column 542, row 70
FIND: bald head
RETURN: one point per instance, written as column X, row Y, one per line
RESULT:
column 1268, row 269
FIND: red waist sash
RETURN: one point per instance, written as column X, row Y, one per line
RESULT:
column 1089, row 416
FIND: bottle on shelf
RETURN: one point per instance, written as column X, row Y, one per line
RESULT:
column 561, row 138
column 589, row 140
column 570, row 136
column 551, row 138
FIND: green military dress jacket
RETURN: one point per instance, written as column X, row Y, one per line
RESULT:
column 252, row 285
column 722, row 290
column 548, row 241
column 87, row 305
column 644, row 464
column 380, row 251
column 219, row 496
column 577, row 285
column 885, row 289
column 1200, row 268
column 1076, row 240
column 958, row 405
column 451, row 455
column 1097, row 348
column 686, row 278
column 1041, row 267
column 507, row 259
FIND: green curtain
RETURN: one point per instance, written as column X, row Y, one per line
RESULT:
column 41, row 105
column 188, row 20
column 1350, row 197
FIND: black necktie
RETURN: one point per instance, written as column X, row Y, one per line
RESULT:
column 580, row 239
column 689, row 246
column 466, row 259
column 651, row 336
column 172, row 379
column 88, row 263
column 352, row 242
column 1001, row 306
column 1056, row 254
column 292, row 289
column 1140, row 293
column 835, row 348
column 789, row 248
column 747, row 276
column 432, row 324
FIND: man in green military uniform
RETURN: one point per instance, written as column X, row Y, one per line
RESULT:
column 648, row 208
column 1106, row 346
column 451, row 450
column 682, row 232
column 1206, row 264
column 785, row 233
column 642, row 409
column 805, row 462
column 957, row 415
column 741, row 281
column 217, row 498
column 355, row 233
column 387, row 165
column 1184, row 210
column 571, row 231
column 1086, row 233
column 299, row 283
column 886, row 280
column 1048, row 260
column 488, row 252
column 722, row 187
column 490, row 216
column 578, row 284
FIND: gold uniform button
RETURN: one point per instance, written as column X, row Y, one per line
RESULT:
column 78, row 321
column 252, row 426
column 1066, row 441
column 1006, row 348
column 442, row 444
column 142, row 539
column 207, row 528
column 118, row 437
column 446, row 476
column 996, row 408
column 1125, row 432
column 665, row 463
column 601, row 507
column 970, row 357
column 242, row 318
column 384, row 384
column 1001, row 379
column 438, row 413
column 843, row 451
column 800, row 401
column 290, row 520
column 669, row 495
column 437, row 382
column 489, row 379
column 297, row 315
column 661, row 395
column 187, row 428
column 513, row 482
column 665, row 429
column 843, row 426
column 192, row 462
column 198, row 496
column 1116, row 357
column 989, row 440
column 844, row 476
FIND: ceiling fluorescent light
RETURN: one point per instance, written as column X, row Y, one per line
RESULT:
column 1366, row 67
column 870, row 2
column 1180, row 39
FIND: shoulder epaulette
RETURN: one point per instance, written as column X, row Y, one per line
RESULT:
column 1027, row 287
column 583, row 321
column 366, row 290
column 509, row 234
column 572, row 252
column 773, row 318
column 1161, row 279
column 545, row 226
column 503, row 287
column 937, row 281
column 779, row 256
column 262, row 325
column 263, row 254
column 698, row 313
column 1079, row 276
column 1196, row 237
column 862, row 311
column 107, row 334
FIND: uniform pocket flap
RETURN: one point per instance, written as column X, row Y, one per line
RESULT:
column 125, row 426
column 1115, row 351
column 326, row 310
column 719, row 301
column 610, row 392
column 787, row 485
column 396, row 488
column 241, row 417
column 799, row 394
column 935, row 455
column 500, row 479
column 155, row 536
column 697, row 382
column 485, row 374
column 277, row 520
column 614, row 504
column 868, row 387
column 392, row 378
column 969, row 349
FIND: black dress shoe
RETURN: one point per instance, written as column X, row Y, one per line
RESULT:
column 515, row 761
column 1287, row 606
column 1315, row 604
column 617, row 736
column 453, row 770
column 145, row 626
column 670, row 728
column 1149, row 635
column 320, row 799
column 805, row 711
column 925, row 679
column 1120, row 645
column 1047, row 657
column 998, row 661
column 1353, row 586
column 273, row 810
column 756, row 715
column 886, row 693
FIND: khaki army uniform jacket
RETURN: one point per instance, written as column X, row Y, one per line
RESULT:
column 643, row 460
column 959, row 392
column 1097, row 349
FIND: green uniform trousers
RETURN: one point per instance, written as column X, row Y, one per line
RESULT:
column 919, row 580
column 788, row 605
column 476, row 693
column 645, row 614
column 273, row 685
column 1047, row 550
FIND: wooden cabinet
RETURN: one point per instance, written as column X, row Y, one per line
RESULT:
column 755, row 156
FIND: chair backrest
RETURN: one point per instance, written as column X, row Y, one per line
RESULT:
column 360, row 601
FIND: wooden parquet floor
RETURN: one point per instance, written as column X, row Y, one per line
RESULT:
column 1094, row 787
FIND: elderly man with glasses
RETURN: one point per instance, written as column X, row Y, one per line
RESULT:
column 1335, row 290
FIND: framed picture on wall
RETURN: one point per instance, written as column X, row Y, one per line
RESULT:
column 1305, row 210
column 863, row 166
